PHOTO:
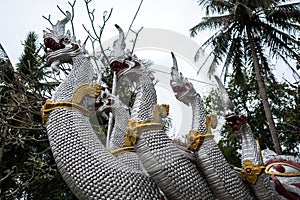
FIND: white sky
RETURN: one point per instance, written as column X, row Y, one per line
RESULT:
column 18, row 17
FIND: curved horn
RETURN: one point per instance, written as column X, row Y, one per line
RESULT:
column 119, row 44
column 226, row 102
column 121, row 33
column 174, row 62
column 59, row 27
column 67, row 18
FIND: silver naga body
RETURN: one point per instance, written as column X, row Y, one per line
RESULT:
column 265, row 185
column 223, row 181
column 175, row 175
column 156, row 169
column 85, row 164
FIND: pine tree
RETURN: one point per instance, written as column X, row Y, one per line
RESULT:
column 27, row 167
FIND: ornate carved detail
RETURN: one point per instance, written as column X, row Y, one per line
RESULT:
column 134, row 128
column 90, row 89
column 280, row 165
column 211, row 121
column 49, row 106
column 235, row 121
column 123, row 149
column 83, row 90
column 195, row 139
column 251, row 171
column 160, row 111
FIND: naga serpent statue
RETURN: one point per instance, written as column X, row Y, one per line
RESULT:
column 271, row 176
column 141, row 161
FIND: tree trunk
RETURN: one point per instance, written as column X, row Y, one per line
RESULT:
column 263, row 94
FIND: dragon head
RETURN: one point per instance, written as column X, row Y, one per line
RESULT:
column 122, row 61
column 232, row 116
column 235, row 121
column 60, row 47
column 183, row 89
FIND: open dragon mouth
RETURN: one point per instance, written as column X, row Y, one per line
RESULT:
column 121, row 67
column 180, row 92
column 51, row 45
column 235, row 122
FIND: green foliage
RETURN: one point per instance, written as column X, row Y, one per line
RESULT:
column 251, row 34
column 29, row 61
column 27, row 167
column 285, row 101
column 213, row 102
column 274, row 25
column 230, row 147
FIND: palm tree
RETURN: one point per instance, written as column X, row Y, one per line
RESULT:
column 252, row 33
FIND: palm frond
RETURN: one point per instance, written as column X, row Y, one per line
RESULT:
column 212, row 23
column 215, row 6
column 279, row 41
column 210, row 55
column 219, row 43
column 234, row 54
column 282, row 14
column 264, row 62
column 3, row 54
column 245, row 8
column 275, row 26
column 210, row 40
column 220, row 48
column 206, row 44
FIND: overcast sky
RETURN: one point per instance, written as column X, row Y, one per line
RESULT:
column 18, row 17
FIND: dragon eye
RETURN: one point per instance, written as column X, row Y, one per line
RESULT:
column 282, row 169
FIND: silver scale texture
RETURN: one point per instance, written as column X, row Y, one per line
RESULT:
column 264, row 189
column 117, row 139
column 176, row 176
column 221, row 178
column 173, row 173
column 121, row 117
column 89, row 170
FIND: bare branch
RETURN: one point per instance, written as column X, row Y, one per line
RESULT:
column 73, row 14
column 48, row 19
column 63, row 12
column 12, row 170
column 134, row 17
column 135, row 39
column 97, row 36
column 88, row 32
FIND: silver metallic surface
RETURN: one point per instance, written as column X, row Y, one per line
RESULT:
column 175, row 175
column 158, row 165
column 87, row 167
column 223, row 181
